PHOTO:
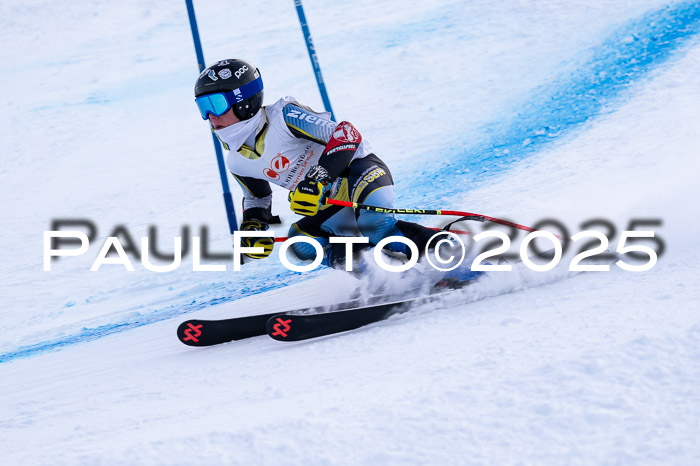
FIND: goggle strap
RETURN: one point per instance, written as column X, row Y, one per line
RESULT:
column 245, row 91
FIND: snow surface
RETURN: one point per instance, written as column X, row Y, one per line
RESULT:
column 519, row 109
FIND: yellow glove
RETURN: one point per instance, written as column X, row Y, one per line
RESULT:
column 311, row 193
column 266, row 243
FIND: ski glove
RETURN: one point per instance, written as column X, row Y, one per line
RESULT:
column 265, row 243
column 311, row 193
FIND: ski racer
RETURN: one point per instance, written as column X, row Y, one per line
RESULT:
column 305, row 152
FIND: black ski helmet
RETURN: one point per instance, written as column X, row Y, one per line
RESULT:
column 228, row 75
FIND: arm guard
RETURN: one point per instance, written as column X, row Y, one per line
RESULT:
column 340, row 140
column 340, row 149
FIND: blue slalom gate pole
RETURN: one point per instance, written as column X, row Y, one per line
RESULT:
column 313, row 58
column 228, row 199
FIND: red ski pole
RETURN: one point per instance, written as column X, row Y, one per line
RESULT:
column 465, row 215
column 471, row 215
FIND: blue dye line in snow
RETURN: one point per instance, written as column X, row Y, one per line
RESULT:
column 555, row 110
column 628, row 55
column 95, row 333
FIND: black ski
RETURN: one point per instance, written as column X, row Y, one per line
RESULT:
column 197, row 332
column 296, row 327
column 312, row 322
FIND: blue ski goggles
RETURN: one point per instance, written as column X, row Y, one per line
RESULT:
column 219, row 103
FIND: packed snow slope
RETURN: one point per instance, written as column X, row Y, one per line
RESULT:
column 518, row 109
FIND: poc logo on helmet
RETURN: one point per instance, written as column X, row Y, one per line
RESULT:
column 240, row 71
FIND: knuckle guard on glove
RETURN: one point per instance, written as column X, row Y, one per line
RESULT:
column 265, row 243
column 309, row 195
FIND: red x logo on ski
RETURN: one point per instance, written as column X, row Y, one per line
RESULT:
column 281, row 327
